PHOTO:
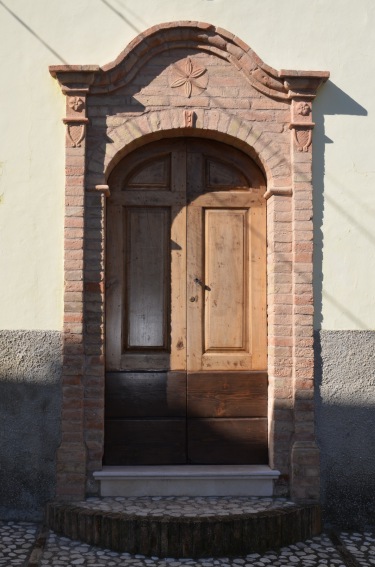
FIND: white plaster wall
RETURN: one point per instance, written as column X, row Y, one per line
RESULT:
column 296, row 34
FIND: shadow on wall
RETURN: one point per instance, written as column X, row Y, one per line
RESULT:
column 331, row 100
column 32, row 32
column 30, row 407
column 344, row 361
column 345, row 405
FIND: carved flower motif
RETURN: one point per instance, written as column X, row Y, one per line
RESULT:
column 303, row 108
column 76, row 103
column 189, row 77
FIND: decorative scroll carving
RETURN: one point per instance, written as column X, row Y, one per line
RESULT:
column 267, row 80
column 189, row 77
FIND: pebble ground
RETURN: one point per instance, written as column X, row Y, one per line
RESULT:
column 25, row 544
column 349, row 550
column 186, row 506
column 16, row 543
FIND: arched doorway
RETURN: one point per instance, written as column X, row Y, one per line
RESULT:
column 186, row 329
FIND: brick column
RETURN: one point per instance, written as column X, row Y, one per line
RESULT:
column 71, row 455
column 305, row 453
column 94, row 331
column 280, row 340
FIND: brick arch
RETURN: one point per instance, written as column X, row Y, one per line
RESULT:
column 266, row 113
column 259, row 145
column 195, row 35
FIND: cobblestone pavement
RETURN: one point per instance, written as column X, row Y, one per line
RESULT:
column 16, row 542
column 342, row 549
column 186, row 506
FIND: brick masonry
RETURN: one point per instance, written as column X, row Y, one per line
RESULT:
column 190, row 79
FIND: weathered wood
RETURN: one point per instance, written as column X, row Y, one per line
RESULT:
column 226, row 276
column 227, row 394
column 114, row 286
column 147, row 289
column 186, row 273
column 226, row 307
column 145, row 442
column 221, row 175
column 153, row 174
column 178, row 262
column 227, row 441
column 145, row 394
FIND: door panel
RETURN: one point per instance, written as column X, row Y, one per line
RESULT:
column 227, row 441
column 147, row 282
column 145, row 394
column 186, row 307
column 153, row 174
column 145, row 442
column 226, row 276
column 227, row 394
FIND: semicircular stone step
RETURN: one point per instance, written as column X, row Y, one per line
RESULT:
column 185, row 526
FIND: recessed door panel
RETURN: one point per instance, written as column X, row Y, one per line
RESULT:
column 226, row 394
column 226, row 276
column 227, row 441
column 147, row 252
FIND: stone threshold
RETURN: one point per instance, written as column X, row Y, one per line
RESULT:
column 187, row 480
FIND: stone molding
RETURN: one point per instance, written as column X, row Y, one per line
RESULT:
column 190, row 79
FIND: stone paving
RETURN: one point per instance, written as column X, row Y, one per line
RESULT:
column 339, row 549
column 186, row 506
column 16, row 542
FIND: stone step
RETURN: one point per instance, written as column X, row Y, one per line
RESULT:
column 187, row 480
column 185, row 526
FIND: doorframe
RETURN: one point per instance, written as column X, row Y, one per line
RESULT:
column 275, row 130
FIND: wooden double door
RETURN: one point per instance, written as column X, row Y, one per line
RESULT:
column 186, row 337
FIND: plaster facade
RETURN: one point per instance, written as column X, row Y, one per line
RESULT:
column 32, row 173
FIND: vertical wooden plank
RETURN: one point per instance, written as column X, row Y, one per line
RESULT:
column 178, row 262
column 195, row 292
column 258, row 287
column 114, row 286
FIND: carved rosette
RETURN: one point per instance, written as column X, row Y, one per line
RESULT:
column 190, row 76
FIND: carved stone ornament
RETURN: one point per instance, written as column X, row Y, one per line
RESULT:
column 303, row 138
column 189, row 116
column 76, row 134
column 76, row 103
column 189, row 77
column 303, row 108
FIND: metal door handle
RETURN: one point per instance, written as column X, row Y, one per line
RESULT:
column 199, row 282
